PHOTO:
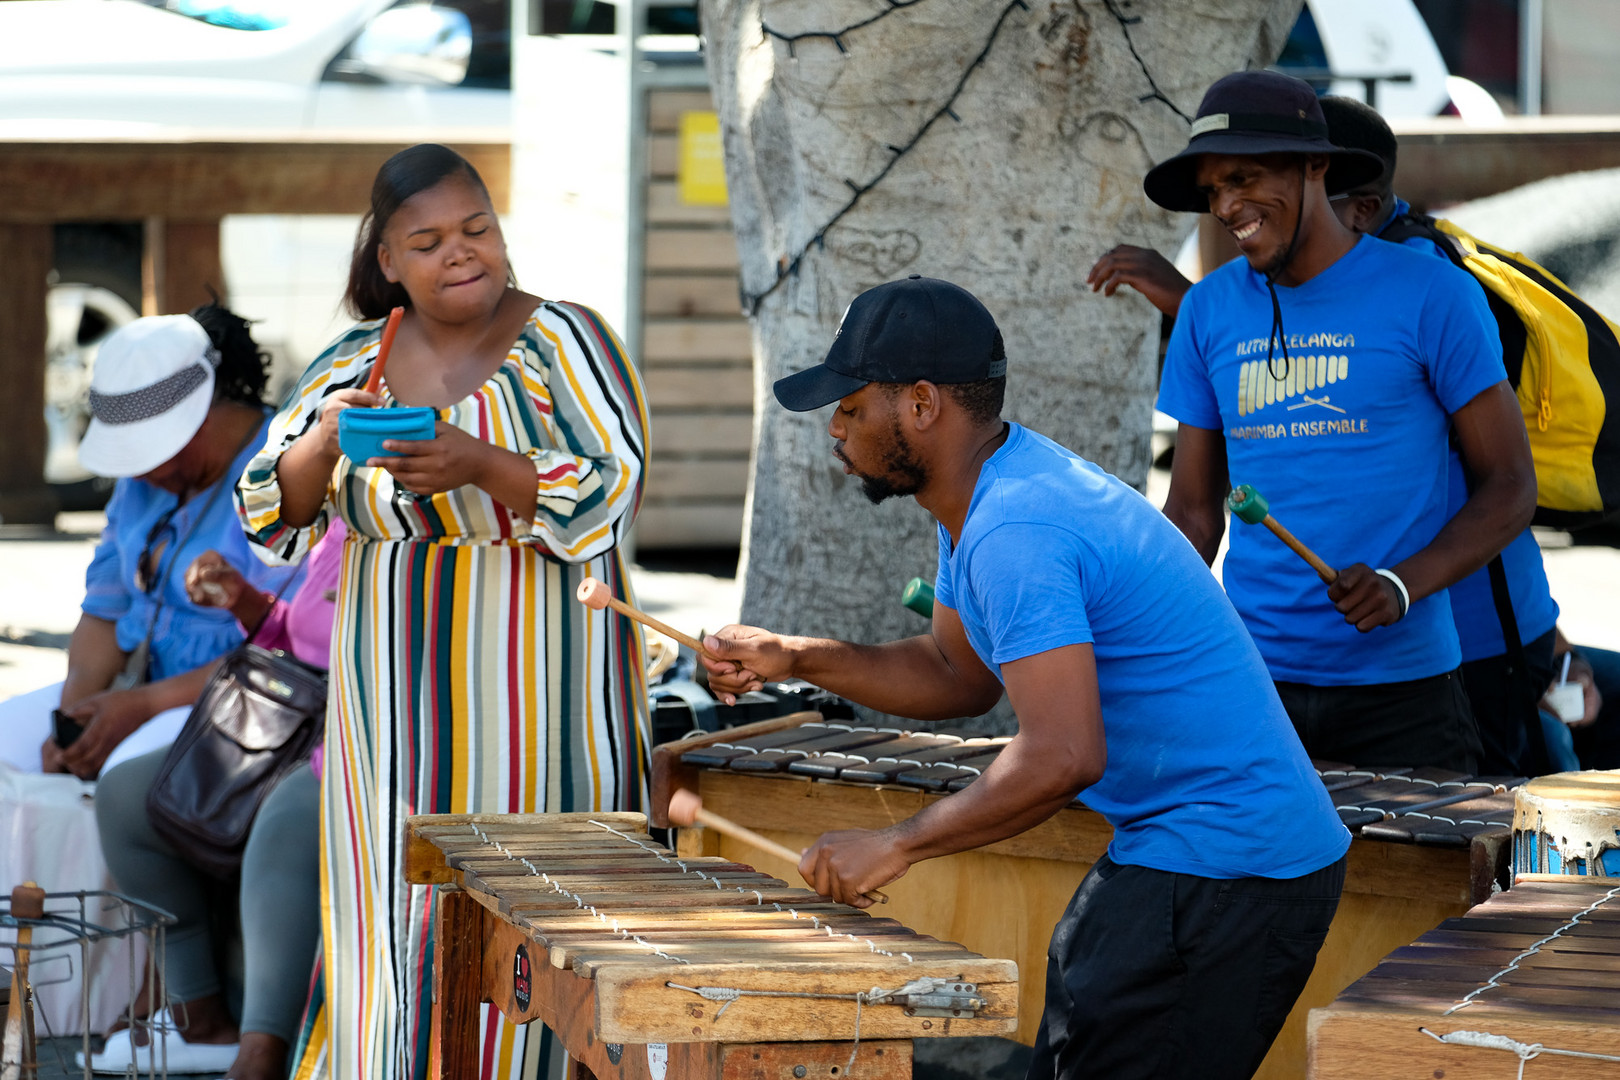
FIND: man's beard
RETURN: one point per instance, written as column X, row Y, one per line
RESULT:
column 902, row 473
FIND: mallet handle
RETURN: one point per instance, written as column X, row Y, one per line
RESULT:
column 374, row 380
column 753, row 839
column 647, row 620
column 1323, row 570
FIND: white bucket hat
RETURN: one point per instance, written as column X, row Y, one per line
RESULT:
column 150, row 392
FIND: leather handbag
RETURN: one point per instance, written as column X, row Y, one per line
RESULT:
column 260, row 716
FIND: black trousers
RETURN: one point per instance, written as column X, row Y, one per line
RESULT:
column 1419, row 722
column 1166, row 976
column 1504, row 706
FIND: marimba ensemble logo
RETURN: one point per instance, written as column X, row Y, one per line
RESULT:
column 522, row 978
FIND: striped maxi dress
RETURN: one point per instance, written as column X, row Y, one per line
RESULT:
column 466, row 677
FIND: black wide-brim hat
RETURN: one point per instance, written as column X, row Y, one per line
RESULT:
column 1252, row 113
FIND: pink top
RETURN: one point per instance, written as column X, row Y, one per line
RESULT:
column 303, row 625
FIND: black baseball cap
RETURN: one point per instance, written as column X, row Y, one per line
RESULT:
column 901, row 332
column 1251, row 113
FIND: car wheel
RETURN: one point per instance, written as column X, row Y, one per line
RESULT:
column 78, row 318
column 95, row 289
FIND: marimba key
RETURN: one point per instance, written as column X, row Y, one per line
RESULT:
column 888, row 770
column 828, row 766
column 938, row 777
column 777, row 758
column 1367, row 803
column 718, row 755
column 1452, row 825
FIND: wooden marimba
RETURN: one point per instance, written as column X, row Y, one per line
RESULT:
column 1529, row 980
column 1429, row 844
column 647, row 965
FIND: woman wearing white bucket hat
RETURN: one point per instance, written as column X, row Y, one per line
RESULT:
column 176, row 413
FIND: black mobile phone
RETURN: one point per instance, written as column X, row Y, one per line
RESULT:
column 64, row 728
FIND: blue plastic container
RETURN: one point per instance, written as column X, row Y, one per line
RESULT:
column 361, row 431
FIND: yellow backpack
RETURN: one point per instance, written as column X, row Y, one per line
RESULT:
column 1563, row 359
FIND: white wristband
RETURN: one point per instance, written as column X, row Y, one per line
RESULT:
column 1400, row 587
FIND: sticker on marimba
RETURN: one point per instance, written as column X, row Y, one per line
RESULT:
column 522, row 978
column 657, row 1060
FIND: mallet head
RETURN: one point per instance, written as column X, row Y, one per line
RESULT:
column 1248, row 504
column 593, row 593
column 684, row 805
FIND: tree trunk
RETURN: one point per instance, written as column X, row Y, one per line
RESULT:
column 998, row 144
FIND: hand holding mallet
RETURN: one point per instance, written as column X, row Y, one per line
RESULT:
column 686, row 810
column 1251, row 506
column 595, row 594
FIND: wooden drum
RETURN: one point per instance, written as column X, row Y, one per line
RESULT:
column 1568, row 823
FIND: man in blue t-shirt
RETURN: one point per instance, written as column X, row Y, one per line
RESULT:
column 1328, row 370
column 1134, row 684
column 1502, row 694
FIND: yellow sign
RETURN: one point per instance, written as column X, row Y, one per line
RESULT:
column 702, row 171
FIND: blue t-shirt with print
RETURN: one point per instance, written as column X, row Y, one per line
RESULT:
column 1473, row 609
column 1204, row 772
column 1347, row 440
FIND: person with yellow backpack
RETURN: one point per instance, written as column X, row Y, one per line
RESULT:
column 1560, row 355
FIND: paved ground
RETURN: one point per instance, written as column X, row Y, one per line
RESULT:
column 42, row 576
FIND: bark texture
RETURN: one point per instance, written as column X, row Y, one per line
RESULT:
column 1033, row 172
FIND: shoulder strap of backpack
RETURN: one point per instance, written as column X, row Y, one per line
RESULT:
column 1412, row 224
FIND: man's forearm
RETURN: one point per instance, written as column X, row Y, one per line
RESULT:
column 1026, row 784
column 1499, row 509
column 94, row 658
column 909, row 677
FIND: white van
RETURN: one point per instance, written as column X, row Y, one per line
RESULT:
column 84, row 68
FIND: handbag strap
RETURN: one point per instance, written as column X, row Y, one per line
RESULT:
column 191, row 527
column 274, row 600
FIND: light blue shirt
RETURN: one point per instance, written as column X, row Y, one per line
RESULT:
column 185, row 636
column 1205, row 774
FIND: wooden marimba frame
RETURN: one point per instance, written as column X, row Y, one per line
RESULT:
column 1526, row 986
column 653, row 967
column 1004, row 899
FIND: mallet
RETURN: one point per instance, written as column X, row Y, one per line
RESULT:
column 595, row 594
column 1251, row 506
column 686, row 810
column 374, row 380
column 17, row 1057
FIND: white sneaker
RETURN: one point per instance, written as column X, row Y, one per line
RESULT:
column 121, row 1057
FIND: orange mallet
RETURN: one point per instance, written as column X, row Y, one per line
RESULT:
column 595, row 594
column 1251, row 506
column 686, row 810
column 374, row 380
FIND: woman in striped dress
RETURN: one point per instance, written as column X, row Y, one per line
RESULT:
column 466, row 678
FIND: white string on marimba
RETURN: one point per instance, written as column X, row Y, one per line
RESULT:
column 1495, row 980
column 759, row 899
column 1486, row 1041
column 579, row 901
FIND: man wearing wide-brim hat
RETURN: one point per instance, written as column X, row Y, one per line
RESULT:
column 1328, row 371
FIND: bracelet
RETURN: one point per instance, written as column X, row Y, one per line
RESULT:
column 1400, row 587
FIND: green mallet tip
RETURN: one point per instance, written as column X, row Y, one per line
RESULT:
column 918, row 595
column 1248, row 504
